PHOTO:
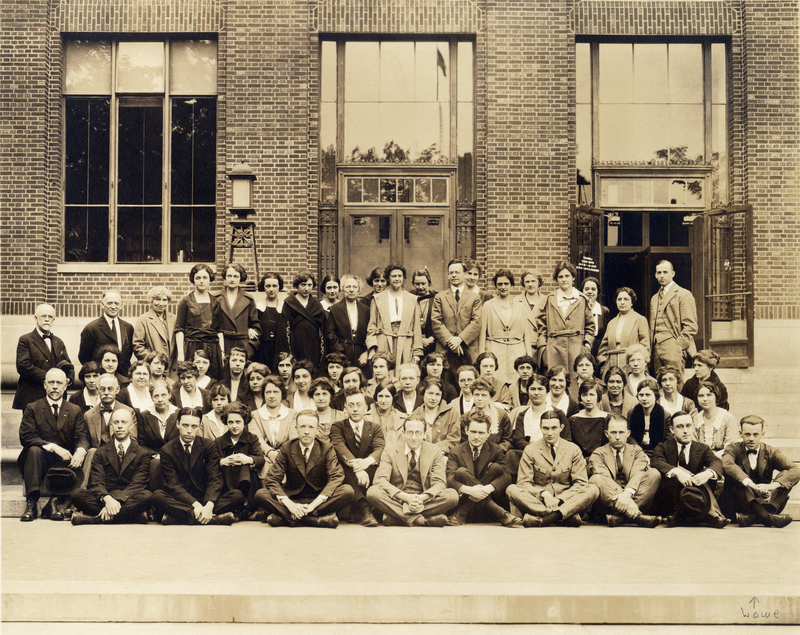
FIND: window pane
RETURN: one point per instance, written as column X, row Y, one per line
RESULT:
column 465, row 69
column 361, row 137
column 719, row 79
column 397, row 71
column 659, row 229
column 650, row 132
column 194, row 151
column 678, row 232
column 140, row 67
column 439, row 190
column 193, row 67
column 396, row 130
column 583, row 84
column 631, row 226
column 465, row 153
column 85, row 234
column 616, row 73
column 650, row 78
column 719, row 157
column 328, row 72
column 353, row 190
column 422, row 190
column 686, row 133
column 192, row 234
column 140, row 154
column 88, row 68
column 361, row 63
column 370, row 190
column 328, row 153
column 405, row 191
column 432, row 131
column 139, row 234
column 616, row 140
column 388, row 191
column 86, row 129
column 686, row 73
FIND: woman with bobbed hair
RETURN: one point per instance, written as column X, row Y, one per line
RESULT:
column 648, row 421
column 435, row 365
column 714, row 426
column 197, row 324
column 588, row 426
column 565, row 325
column 305, row 318
column 241, row 456
column 670, row 379
column 627, row 328
column 154, row 330
column 704, row 364
column 256, row 373
column 600, row 313
column 322, row 390
column 527, row 420
column 274, row 422
column 377, row 280
column 329, row 291
column 139, row 388
column 486, row 363
column 506, row 328
column 212, row 425
column 500, row 423
column 441, row 420
column 238, row 314
column 383, row 412
column 616, row 401
column 558, row 397
column 532, row 298
column 274, row 338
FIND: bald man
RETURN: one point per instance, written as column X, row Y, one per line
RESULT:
column 38, row 352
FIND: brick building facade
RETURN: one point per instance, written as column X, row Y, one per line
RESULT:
column 509, row 173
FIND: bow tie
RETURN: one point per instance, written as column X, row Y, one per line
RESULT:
column 752, row 451
column 104, row 410
column 47, row 336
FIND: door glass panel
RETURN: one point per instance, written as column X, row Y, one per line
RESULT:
column 370, row 244
column 423, row 244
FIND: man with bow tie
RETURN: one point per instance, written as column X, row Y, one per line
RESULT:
column 552, row 486
column 117, row 491
column 305, row 484
column 109, row 328
column 98, row 418
column 38, row 352
column 673, row 320
column 751, row 492
column 54, row 442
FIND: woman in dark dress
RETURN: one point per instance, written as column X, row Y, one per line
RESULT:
column 305, row 318
column 600, row 313
column 421, row 279
column 588, row 426
column 647, row 420
column 704, row 364
column 197, row 325
column 238, row 315
column 274, row 337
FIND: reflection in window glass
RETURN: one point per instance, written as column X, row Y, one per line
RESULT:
column 194, row 151
column 422, row 190
column 405, row 191
column 370, row 190
column 139, row 234
column 649, row 133
column 388, row 190
column 88, row 68
column 686, row 134
column 140, row 67
column 353, row 190
column 439, row 187
column 627, row 232
column 86, row 151
column 650, row 77
column 686, row 73
column 465, row 70
column 192, row 234
column 85, row 234
column 327, row 137
column 193, row 67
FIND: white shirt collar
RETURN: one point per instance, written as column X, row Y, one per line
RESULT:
column 125, row 444
column 459, row 289
column 668, row 287
column 57, row 403
column 416, row 452
column 574, row 294
column 356, row 426
column 171, row 407
column 303, row 448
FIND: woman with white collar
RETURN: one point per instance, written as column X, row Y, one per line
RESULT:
column 273, row 422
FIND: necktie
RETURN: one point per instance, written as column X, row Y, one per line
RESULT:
column 306, row 454
column 114, row 330
column 162, row 428
column 188, row 449
column 48, row 339
column 620, row 471
column 553, row 452
column 358, row 437
column 120, row 452
column 412, row 461
column 55, row 411
column 475, row 454
column 105, row 410
column 682, row 455
column 458, row 295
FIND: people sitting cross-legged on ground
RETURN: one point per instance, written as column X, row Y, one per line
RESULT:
column 621, row 472
column 477, row 470
column 305, row 484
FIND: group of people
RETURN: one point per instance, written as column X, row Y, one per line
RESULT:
column 426, row 408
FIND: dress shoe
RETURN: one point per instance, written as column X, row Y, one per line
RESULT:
column 166, row 519
column 31, row 511
column 509, row 520
column 457, row 518
column 275, row 520
column 330, row 521
column 140, row 519
column 614, row 520
column 572, row 521
column 439, row 520
column 718, row 522
column 780, row 520
column 529, row 520
column 223, row 519
column 392, row 521
column 369, row 520
column 79, row 518
column 49, row 507
column 66, row 508
column 151, row 515
column 551, row 518
column 746, row 520
column 645, row 520
column 671, row 520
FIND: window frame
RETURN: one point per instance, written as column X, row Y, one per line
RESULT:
column 115, row 98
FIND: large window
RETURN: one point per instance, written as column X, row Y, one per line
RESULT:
column 140, row 123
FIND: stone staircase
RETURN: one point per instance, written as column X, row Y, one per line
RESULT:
column 768, row 392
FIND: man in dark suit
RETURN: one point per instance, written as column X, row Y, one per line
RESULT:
column 621, row 471
column 686, row 467
column 411, row 482
column 305, row 484
column 477, row 471
column 346, row 326
column 673, row 320
column 407, row 399
column 751, row 492
column 38, row 352
column 109, row 328
column 456, row 319
column 192, row 478
column 54, row 443
column 117, row 491
column 359, row 444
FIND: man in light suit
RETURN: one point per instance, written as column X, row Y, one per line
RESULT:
column 673, row 320
column 476, row 469
column 109, row 328
column 98, row 418
column 552, row 486
column 411, row 482
column 686, row 468
column 38, row 352
column 155, row 329
column 751, row 492
column 456, row 319
column 359, row 444
column 53, row 434
column 117, row 491
column 305, row 485
column 620, row 471
column 346, row 326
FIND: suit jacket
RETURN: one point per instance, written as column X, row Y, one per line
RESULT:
column 539, row 472
column 392, row 473
column 151, row 335
column 290, row 474
column 150, row 432
column 234, row 321
column 407, row 342
column 109, row 478
column 274, row 336
column 701, row 457
column 400, row 404
column 445, row 432
column 38, row 428
column 737, row 466
column 463, row 320
column 344, row 441
column 692, row 386
column 680, row 315
column 34, row 359
column 286, row 429
column 195, row 478
column 97, row 334
column 491, row 453
column 339, row 336
column 425, row 304
column 603, row 462
column 98, row 429
column 244, row 385
column 658, row 426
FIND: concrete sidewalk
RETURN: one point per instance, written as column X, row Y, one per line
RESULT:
column 53, row 572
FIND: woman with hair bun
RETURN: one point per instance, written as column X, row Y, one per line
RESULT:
column 627, row 328
column 197, row 325
column 704, row 364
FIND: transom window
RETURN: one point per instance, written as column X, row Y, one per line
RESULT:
column 414, row 191
column 140, row 125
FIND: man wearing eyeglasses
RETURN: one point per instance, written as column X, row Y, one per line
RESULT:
column 410, row 486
